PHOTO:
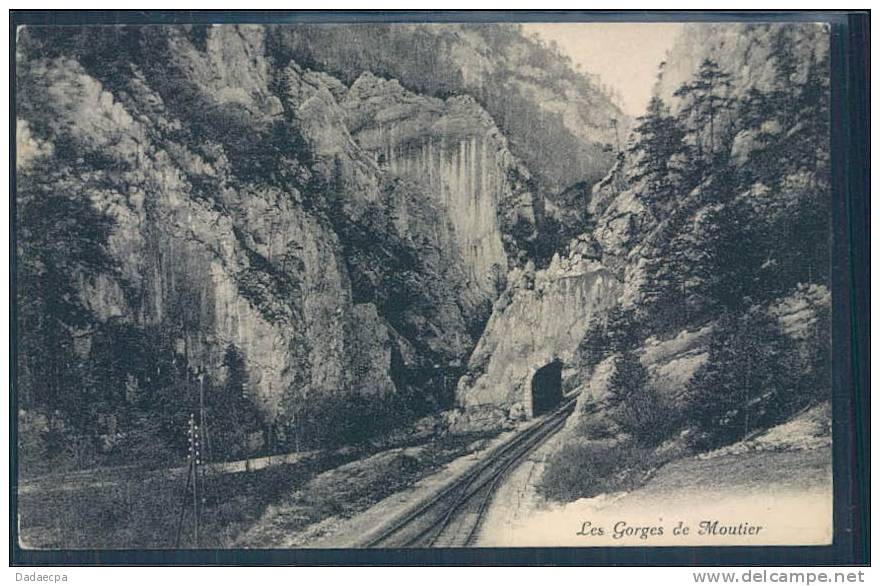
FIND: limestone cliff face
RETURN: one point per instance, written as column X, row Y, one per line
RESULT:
column 441, row 167
column 557, row 120
column 243, row 264
column 339, row 237
column 542, row 317
column 524, row 84
column 456, row 156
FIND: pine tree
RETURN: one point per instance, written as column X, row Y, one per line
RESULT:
column 792, row 163
column 659, row 139
column 594, row 346
column 731, row 260
column 635, row 405
column 619, row 332
column 233, row 413
column 622, row 329
column 747, row 382
column 675, row 271
column 703, row 100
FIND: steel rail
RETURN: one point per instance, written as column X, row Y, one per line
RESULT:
column 463, row 490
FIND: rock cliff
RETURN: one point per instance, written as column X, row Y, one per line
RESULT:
column 209, row 257
column 347, row 240
column 665, row 241
column 453, row 151
column 539, row 319
column 557, row 120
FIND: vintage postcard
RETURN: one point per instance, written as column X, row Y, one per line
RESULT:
column 420, row 285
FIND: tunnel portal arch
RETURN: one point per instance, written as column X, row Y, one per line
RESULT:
column 546, row 388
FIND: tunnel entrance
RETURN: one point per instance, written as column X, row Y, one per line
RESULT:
column 546, row 388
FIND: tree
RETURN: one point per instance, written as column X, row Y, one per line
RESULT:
column 233, row 415
column 61, row 238
column 728, row 274
column 703, row 260
column 618, row 332
column 636, row 406
column 660, row 138
column 790, row 160
column 497, row 279
column 748, row 381
column 674, row 270
column 703, row 100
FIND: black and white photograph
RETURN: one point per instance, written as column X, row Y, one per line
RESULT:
column 345, row 285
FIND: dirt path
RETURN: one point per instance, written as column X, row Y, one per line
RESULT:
column 516, row 499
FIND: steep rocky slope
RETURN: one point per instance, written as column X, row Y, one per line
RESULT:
column 252, row 224
column 557, row 120
column 711, row 233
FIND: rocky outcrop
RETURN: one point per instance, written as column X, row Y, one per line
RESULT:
column 747, row 51
column 341, row 238
column 458, row 158
column 243, row 265
column 558, row 121
column 802, row 311
column 541, row 317
column 671, row 363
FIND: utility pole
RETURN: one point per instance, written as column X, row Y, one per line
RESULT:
column 206, row 439
column 194, row 458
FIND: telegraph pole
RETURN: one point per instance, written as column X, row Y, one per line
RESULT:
column 192, row 480
column 196, row 460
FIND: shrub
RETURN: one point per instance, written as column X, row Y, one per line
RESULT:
column 582, row 469
column 751, row 380
column 594, row 426
column 637, row 407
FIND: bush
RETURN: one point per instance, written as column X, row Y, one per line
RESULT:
column 594, row 426
column 587, row 468
column 637, row 407
column 753, row 379
column 142, row 443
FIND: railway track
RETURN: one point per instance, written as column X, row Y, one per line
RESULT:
column 452, row 518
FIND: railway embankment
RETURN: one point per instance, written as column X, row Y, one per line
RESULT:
column 388, row 495
column 262, row 502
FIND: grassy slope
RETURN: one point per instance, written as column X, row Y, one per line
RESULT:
column 141, row 508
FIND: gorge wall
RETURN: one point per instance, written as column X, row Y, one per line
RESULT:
column 539, row 319
column 343, row 238
column 717, row 160
column 557, row 120
column 455, row 154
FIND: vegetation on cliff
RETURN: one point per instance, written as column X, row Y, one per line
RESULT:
column 731, row 220
column 560, row 122
column 200, row 215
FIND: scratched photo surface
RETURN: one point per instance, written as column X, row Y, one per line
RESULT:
column 422, row 285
